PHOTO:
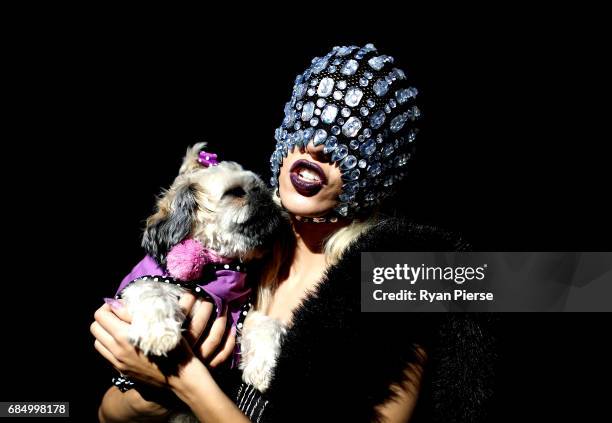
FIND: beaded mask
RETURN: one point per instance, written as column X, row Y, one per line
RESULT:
column 361, row 108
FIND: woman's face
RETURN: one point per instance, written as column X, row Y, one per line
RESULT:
column 309, row 184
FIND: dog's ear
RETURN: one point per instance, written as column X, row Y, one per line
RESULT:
column 172, row 223
column 190, row 161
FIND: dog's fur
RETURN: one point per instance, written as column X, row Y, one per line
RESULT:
column 227, row 209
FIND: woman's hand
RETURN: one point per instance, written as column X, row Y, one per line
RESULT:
column 110, row 329
column 217, row 345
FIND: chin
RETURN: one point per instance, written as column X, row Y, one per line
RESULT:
column 298, row 205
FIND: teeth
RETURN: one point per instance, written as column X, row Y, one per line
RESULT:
column 308, row 175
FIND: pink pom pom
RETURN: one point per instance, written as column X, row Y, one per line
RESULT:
column 186, row 260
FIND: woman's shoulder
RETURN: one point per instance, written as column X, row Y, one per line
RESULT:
column 402, row 234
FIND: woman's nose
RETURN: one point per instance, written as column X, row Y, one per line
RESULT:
column 316, row 152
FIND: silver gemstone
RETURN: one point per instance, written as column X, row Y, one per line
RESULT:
column 297, row 125
column 341, row 85
column 340, row 121
column 399, row 73
column 346, row 112
column 325, row 87
column 342, row 209
column 298, row 105
column 307, row 111
column 317, row 112
column 367, row 132
column 308, row 134
column 363, row 82
column 319, row 65
column 353, row 175
column 337, row 95
column 387, row 109
column 335, row 130
column 354, row 144
column 414, row 113
column 314, row 121
column 351, row 127
column 353, row 97
column 350, row 187
column 350, row 67
column 299, row 138
column 398, row 122
column 311, row 91
column 374, row 169
column 329, row 113
column 346, row 196
column 364, row 111
column 380, row 87
column 377, row 119
column 368, row 48
column 343, row 51
column 330, row 144
column 300, row 90
column 367, row 147
column 388, row 150
column 314, row 82
column 393, row 103
column 362, row 163
column 405, row 94
column 319, row 137
column 348, row 163
column 321, row 102
column 368, row 75
column 371, row 103
column 339, row 153
column 337, row 62
column 378, row 62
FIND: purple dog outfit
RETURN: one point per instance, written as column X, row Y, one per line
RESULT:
column 229, row 289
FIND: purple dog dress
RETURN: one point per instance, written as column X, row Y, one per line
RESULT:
column 219, row 280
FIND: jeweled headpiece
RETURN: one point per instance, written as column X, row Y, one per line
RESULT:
column 361, row 108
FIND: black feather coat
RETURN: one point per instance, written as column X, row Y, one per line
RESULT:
column 337, row 364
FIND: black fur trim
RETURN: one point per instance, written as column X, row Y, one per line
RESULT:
column 337, row 364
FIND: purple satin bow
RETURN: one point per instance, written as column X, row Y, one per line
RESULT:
column 207, row 159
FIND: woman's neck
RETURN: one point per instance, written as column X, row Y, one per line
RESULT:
column 309, row 251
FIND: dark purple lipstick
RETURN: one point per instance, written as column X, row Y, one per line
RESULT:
column 307, row 177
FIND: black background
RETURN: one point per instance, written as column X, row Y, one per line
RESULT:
column 102, row 110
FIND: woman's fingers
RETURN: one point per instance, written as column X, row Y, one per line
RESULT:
column 186, row 302
column 227, row 350
column 119, row 310
column 202, row 310
column 107, row 355
column 111, row 323
column 103, row 337
column 215, row 336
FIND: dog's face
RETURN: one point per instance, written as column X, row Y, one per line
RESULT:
column 227, row 208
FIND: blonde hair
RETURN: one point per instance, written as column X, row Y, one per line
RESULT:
column 334, row 247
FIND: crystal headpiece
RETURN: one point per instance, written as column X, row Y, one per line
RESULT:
column 361, row 107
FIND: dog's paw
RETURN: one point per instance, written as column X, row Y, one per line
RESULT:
column 155, row 337
column 157, row 317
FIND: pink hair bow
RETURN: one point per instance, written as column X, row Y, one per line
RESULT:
column 207, row 159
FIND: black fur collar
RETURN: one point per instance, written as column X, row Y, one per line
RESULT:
column 336, row 363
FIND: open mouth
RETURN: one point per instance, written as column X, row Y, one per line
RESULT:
column 307, row 177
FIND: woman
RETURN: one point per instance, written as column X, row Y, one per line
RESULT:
column 308, row 354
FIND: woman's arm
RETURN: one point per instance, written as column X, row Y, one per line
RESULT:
column 192, row 381
column 399, row 409
column 195, row 386
column 129, row 406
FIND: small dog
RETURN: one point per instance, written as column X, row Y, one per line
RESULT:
column 210, row 215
